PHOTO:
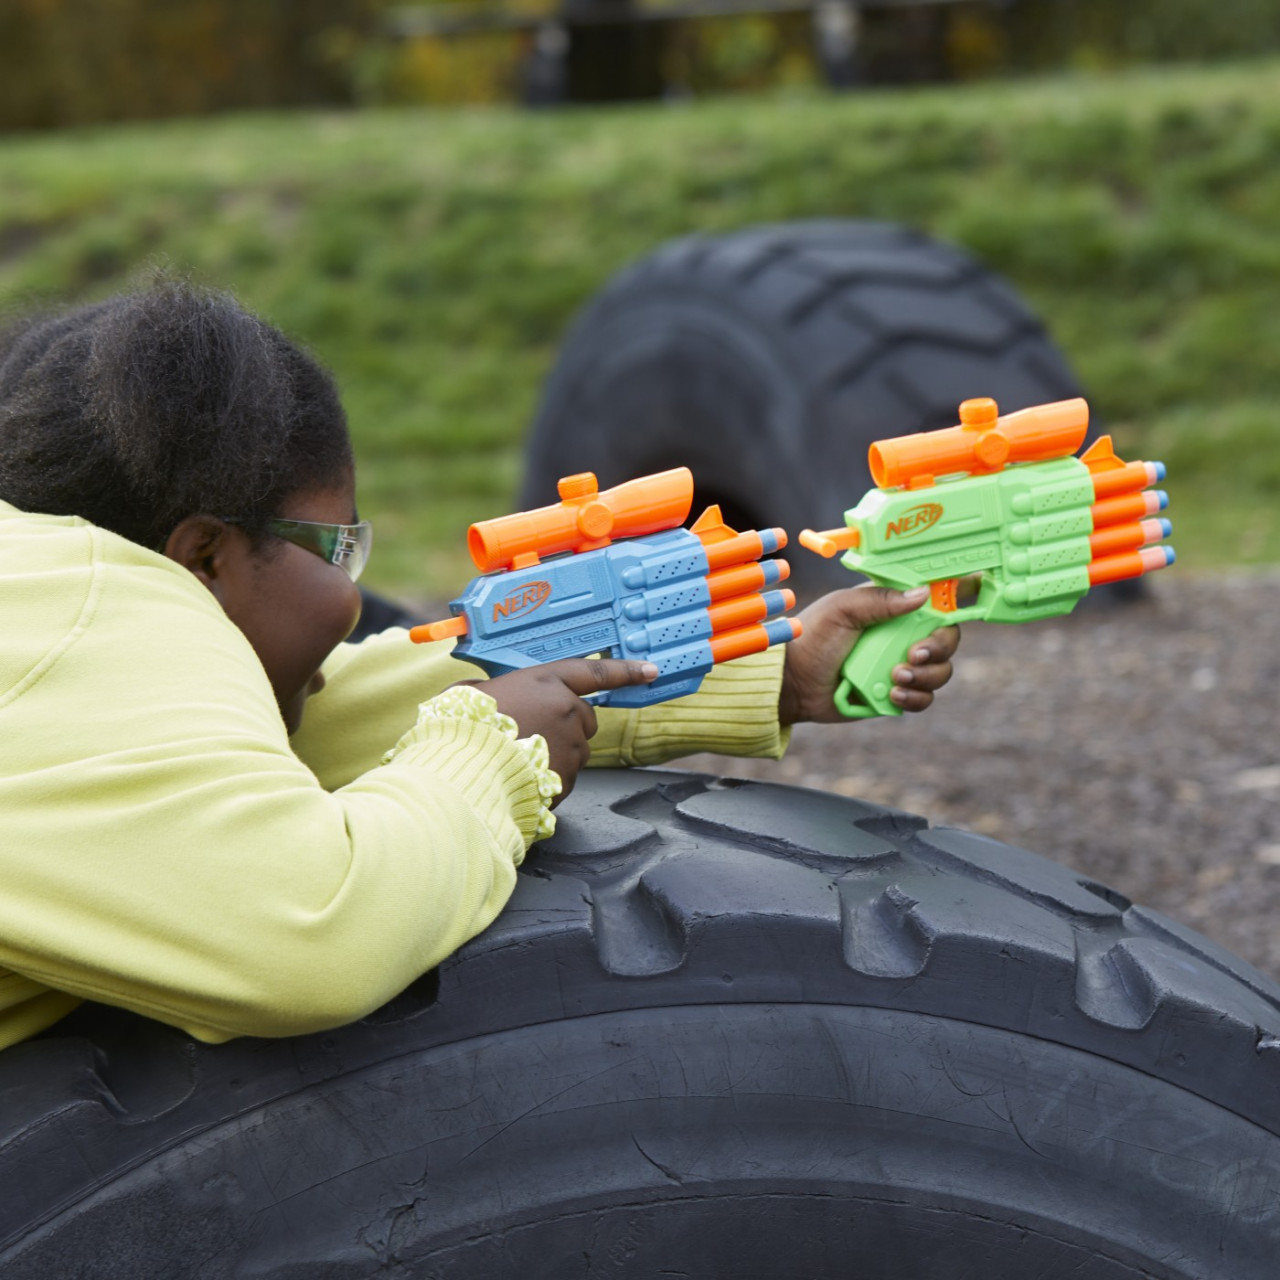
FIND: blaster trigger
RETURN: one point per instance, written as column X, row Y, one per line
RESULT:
column 944, row 595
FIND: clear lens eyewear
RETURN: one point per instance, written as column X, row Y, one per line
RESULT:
column 346, row 545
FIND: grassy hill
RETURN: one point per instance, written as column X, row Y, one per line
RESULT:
column 434, row 258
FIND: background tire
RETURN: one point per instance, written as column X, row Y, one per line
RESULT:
column 723, row 1029
column 768, row 359
column 377, row 613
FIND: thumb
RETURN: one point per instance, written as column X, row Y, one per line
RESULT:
column 866, row 605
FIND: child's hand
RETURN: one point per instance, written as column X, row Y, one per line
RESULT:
column 547, row 699
column 831, row 625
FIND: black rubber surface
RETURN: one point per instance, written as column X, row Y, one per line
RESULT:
column 724, row 1029
column 768, row 359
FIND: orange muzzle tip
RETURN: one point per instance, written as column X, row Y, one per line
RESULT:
column 830, row 543
column 446, row 630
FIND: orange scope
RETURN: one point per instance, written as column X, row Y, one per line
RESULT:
column 583, row 519
column 983, row 442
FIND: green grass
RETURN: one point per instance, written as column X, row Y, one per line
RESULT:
column 434, row 258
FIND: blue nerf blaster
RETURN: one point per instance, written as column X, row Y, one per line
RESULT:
column 614, row 574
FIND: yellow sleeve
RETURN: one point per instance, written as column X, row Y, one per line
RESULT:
column 734, row 713
column 372, row 692
column 167, row 851
column 373, row 689
column 371, row 696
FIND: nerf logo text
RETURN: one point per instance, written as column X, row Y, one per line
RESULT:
column 523, row 600
column 914, row 521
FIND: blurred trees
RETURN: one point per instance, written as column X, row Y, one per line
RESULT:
column 1032, row 35
column 67, row 62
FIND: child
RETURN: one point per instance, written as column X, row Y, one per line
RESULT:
column 178, row 551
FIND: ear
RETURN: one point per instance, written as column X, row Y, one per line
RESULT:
column 200, row 543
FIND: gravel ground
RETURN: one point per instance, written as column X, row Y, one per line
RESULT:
column 1136, row 743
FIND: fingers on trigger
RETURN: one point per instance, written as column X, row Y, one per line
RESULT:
column 601, row 673
column 613, row 674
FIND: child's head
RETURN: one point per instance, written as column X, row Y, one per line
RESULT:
column 143, row 409
column 173, row 417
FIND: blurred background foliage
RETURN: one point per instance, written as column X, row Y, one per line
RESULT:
column 433, row 257
column 67, row 62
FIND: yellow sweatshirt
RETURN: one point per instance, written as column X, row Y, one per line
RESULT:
column 164, row 846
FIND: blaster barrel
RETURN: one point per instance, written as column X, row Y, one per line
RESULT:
column 1112, row 476
column 741, row 611
column 583, row 519
column 1127, row 537
column 743, row 547
column 983, row 442
column 1131, row 564
column 1130, row 478
column 754, row 639
column 1128, row 507
column 742, row 579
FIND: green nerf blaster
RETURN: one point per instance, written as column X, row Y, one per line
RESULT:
column 1002, row 500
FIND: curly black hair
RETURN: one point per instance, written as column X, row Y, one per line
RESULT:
column 136, row 412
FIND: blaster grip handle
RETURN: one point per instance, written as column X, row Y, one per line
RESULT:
column 867, row 675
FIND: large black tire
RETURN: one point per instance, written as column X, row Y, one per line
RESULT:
column 725, row 1029
column 767, row 360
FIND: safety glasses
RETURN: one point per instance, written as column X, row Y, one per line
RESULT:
column 346, row 545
